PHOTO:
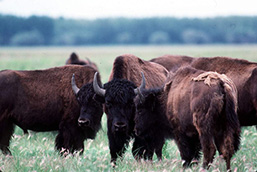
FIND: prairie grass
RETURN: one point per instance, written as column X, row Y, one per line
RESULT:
column 36, row 152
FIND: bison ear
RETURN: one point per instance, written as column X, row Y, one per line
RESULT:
column 74, row 56
column 168, row 81
column 167, row 86
column 89, row 61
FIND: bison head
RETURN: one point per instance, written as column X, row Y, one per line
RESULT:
column 91, row 108
column 144, row 102
column 150, row 117
column 119, row 105
column 146, row 113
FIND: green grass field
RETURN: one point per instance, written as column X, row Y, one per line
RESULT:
column 35, row 152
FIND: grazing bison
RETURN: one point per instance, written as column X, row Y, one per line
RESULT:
column 173, row 62
column 74, row 59
column 197, row 108
column 43, row 100
column 244, row 74
column 118, row 96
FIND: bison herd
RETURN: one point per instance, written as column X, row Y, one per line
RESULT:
column 200, row 103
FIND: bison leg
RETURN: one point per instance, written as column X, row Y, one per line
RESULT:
column 158, row 152
column 218, row 142
column 187, row 148
column 139, row 149
column 117, row 146
column 25, row 131
column 227, row 148
column 116, row 151
column 148, row 154
column 228, row 143
column 6, row 131
column 208, row 149
column 158, row 148
column 70, row 138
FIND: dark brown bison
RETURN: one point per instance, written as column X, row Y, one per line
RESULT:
column 244, row 74
column 74, row 59
column 43, row 100
column 173, row 62
column 118, row 96
column 197, row 109
column 150, row 126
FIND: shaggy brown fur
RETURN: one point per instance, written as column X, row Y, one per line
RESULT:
column 244, row 74
column 173, row 62
column 201, row 110
column 129, row 67
column 43, row 100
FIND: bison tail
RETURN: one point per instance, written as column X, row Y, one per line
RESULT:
column 233, row 125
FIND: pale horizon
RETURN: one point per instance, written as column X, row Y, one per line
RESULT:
column 78, row 9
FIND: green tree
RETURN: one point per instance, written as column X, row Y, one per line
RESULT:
column 191, row 36
column 159, row 37
column 124, row 38
column 31, row 38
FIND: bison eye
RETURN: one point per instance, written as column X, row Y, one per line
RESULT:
column 79, row 100
column 108, row 104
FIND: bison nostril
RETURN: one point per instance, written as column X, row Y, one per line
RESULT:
column 120, row 125
column 83, row 121
column 87, row 122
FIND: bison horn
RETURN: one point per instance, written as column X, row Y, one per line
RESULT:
column 89, row 61
column 142, row 86
column 73, row 85
column 98, row 90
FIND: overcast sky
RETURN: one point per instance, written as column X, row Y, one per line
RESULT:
column 91, row 9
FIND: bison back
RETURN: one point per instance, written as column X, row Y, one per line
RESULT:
column 129, row 67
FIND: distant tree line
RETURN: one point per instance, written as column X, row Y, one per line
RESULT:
column 38, row 30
